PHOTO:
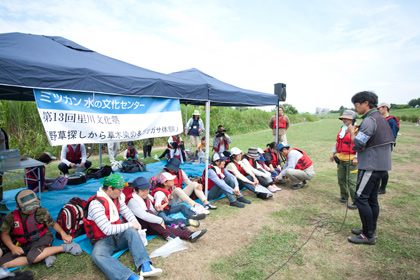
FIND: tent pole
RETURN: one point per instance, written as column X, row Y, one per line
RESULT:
column 277, row 122
column 100, row 155
column 185, row 133
column 207, row 147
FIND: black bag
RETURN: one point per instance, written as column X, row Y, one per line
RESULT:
column 133, row 165
column 97, row 173
column 77, row 178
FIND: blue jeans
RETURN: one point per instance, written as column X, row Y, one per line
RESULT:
column 173, row 210
column 247, row 185
column 215, row 192
column 105, row 247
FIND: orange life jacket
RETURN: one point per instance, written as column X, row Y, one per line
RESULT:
column 282, row 122
column 345, row 145
column 304, row 162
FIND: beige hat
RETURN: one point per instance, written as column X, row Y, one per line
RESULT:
column 348, row 114
column 384, row 104
column 196, row 113
column 27, row 200
column 253, row 153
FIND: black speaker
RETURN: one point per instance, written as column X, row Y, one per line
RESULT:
column 280, row 91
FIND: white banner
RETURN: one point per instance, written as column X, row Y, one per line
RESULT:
column 80, row 117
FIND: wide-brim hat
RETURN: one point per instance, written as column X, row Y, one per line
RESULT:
column 141, row 183
column 253, row 153
column 348, row 114
column 384, row 104
column 173, row 164
column 196, row 113
column 27, row 200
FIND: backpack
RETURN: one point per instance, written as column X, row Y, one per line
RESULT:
column 133, row 165
column 97, row 173
column 76, row 178
column 70, row 218
column 58, row 183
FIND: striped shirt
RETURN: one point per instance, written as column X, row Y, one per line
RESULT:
column 96, row 213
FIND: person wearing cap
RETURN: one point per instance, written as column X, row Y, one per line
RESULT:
column 221, row 141
column 29, row 225
column 250, row 160
column 372, row 142
column 220, row 182
column 162, row 196
column 181, row 194
column 131, row 151
column 283, row 123
column 32, row 175
column 140, row 202
column 272, row 161
column 73, row 156
column 298, row 167
column 346, row 159
column 147, row 147
column 246, row 178
column 194, row 128
column 394, row 123
column 109, row 234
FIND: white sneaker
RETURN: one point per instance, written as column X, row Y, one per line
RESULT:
column 153, row 273
column 198, row 209
column 156, row 158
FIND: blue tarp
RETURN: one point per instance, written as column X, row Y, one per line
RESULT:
column 30, row 61
column 224, row 94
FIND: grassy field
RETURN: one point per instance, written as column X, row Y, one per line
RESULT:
column 254, row 242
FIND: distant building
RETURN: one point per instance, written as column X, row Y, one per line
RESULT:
column 320, row 111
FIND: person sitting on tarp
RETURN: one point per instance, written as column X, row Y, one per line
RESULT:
column 33, row 182
column 220, row 181
column 181, row 194
column 298, row 167
column 72, row 157
column 140, row 202
column 131, row 151
column 109, row 234
column 172, row 147
column 29, row 225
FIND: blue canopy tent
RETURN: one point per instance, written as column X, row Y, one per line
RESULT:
column 30, row 62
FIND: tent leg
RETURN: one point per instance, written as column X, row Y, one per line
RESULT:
column 100, row 155
column 185, row 133
column 277, row 122
column 207, row 147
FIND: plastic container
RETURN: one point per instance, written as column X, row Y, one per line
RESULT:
column 9, row 152
column 10, row 160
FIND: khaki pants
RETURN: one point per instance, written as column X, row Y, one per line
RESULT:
column 297, row 176
column 184, row 194
column 282, row 136
column 347, row 178
column 194, row 140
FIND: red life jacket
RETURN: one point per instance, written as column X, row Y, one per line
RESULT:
column 33, row 176
column 282, row 122
column 345, row 145
column 175, row 139
column 168, row 194
column 220, row 143
column 395, row 118
column 72, row 155
column 178, row 156
column 210, row 182
column 92, row 230
column 131, row 153
column 237, row 167
column 29, row 231
column 274, row 158
column 128, row 192
column 304, row 162
column 178, row 180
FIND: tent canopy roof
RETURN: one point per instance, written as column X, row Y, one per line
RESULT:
column 49, row 62
column 224, row 94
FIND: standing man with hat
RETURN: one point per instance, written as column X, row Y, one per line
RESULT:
column 394, row 123
column 194, row 128
column 283, row 123
column 298, row 167
column 346, row 159
column 108, row 234
column 372, row 142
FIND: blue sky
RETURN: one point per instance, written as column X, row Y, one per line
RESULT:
column 325, row 51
